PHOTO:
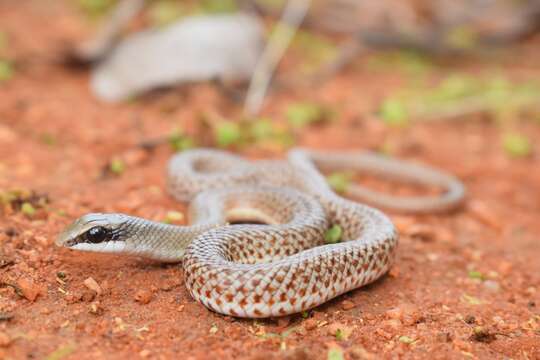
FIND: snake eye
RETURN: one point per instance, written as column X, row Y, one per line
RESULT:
column 97, row 234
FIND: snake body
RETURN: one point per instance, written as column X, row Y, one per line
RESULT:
column 282, row 266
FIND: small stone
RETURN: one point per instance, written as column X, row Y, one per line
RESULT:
column 347, row 305
column 284, row 321
column 422, row 232
column 96, row 309
column 339, row 330
column 492, row 285
column 392, row 324
column 41, row 240
column 505, row 268
column 485, row 214
column 5, row 340
column 394, row 313
column 301, row 331
column 72, row 298
column 28, row 289
column 383, row 334
column 88, row 296
column 432, row 257
column 359, row 353
column 143, row 296
column 299, row 353
column 45, row 311
column 310, row 324
column 444, row 336
column 481, row 334
column 92, row 284
column 135, row 157
column 144, row 353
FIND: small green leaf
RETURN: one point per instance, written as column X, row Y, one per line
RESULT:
column 305, row 314
column 117, row 166
column 95, row 7
column 28, row 209
column 333, row 235
column 406, row 340
column 261, row 129
column 394, row 112
column 61, row 352
column 218, row 6
column 335, row 353
column 300, row 115
column 471, row 299
column 48, row 139
column 228, row 133
column 473, row 274
column 339, row 334
column 339, row 181
column 173, row 217
column 462, row 37
column 180, row 142
column 165, row 12
column 405, row 61
column 517, row 145
column 6, row 70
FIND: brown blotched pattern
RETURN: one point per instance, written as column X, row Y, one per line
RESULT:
column 273, row 270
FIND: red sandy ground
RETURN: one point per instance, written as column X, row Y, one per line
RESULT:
column 427, row 307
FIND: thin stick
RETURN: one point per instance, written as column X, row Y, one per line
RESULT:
column 97, row 47
column 293, row 15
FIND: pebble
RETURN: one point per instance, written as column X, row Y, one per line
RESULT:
column 72, row 298
column 391, row 324
column 45, row 311
column 143, row 296
column 28, row 288
column 310, row 324
column 144, row 353
column 359, row 353
column 492, row 285
column 408, row 314
column 284, row 321
column 92, row 284
column 299, row 353
column 484, row 214
column 505, row 268
column 422, row 232
column 135, row 157
column 88, row 296
column 347, row 305
column 383, row 334
column 96, row 309
column 335, row 328
column 5, row 340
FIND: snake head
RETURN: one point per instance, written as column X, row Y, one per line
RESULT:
column 95, row 232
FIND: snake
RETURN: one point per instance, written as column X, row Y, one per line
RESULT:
column 257, row 241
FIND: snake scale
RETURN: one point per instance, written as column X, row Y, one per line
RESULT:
column 255, row 246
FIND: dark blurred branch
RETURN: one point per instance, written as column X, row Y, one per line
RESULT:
column 97, row 47
column 293, row 15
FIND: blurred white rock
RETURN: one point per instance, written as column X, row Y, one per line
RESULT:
column 197, row 48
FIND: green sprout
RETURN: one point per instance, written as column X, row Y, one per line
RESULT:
column 333, row 234
column 516, row 145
